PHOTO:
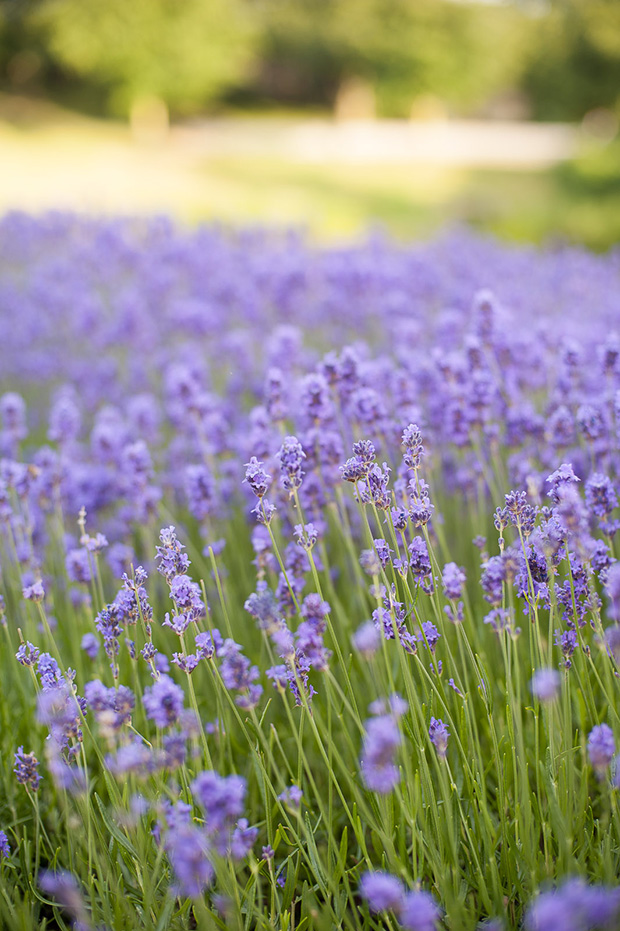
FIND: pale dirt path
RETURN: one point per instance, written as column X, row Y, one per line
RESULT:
column 212, row 168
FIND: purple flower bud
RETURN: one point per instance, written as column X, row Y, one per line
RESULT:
column 438, row 733
column 78, row 566
column 366, row 639
column 545, row 684
column 291, row 456
column 382, row 891
column 90, row 645
column 189, row 851
column 34, row 592
column 454, row 579
column 601, row 747
column 378, row 761
column 65, row 888
column 163, row 701
column 27, row 654
column 419, row 912
column 412, row 441
column 26, row 769
column 256, row 477
column 291, row 796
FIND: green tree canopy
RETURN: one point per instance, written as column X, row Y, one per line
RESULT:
column 403, row 48
column 185, row 52
column 574, row 60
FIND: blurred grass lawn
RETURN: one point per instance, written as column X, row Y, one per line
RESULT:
column 95, row 166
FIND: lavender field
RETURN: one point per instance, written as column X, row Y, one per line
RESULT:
column 310, row 593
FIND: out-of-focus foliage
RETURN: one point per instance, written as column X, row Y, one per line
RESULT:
column 185, row 53
column 561, row 56
column 574, row 60
column 402, row 49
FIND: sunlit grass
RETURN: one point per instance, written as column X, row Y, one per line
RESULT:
column 52, row 159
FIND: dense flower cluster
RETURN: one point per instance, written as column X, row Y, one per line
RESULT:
column 326, row 476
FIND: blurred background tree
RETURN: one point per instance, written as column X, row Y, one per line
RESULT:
column 184, row 53
column 149, row 60
column 402, row 50
column 561, row 58
column 573, row 65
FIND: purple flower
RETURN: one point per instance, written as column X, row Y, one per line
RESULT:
column 175, row 751
column 256, row 477
column 381, row 742
column 612, row 639
column 78, row 565
column 90, row 645
column 65, row 888
column 242, row 840
column 189, row 851
column 263, row 606
column 200, row 491
column 34, row 592
column 186, row 595
column 208, row 643
column 354, row 469
column 134, row 758
column 58, row 708
column 290, row 457
column 601, row 747
column 382, row 891
column 27, row 654
column 366, row 639
column 519, row 512
column 382, row 551
column 438, row 733
column 187, row 599
column 187, row 662
column 111, row 707
column 49, row 672
column 108, row 624
column 264, row 512
column 13, row 411
column 5, row 849
column 292, row 796
column 429, row 635
column 601, row 497
column 26, row 769
column 567, row 642
column 163, row 701
column 573, row 906
column 612, row 588
column 493, row 578
column 221, row 799
column 561, row 478
column 172, row 561
column 414, row 450
column 419, row 912
column 545, row 684
column 454, row 579
column 65, row 419
column 94, row 544
column 395, row 705
column 131, row 603
column 161, row 662
column 309, row 634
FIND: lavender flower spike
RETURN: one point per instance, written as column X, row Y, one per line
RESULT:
column 438, row 732
column 601, row 747
column 291, row 456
